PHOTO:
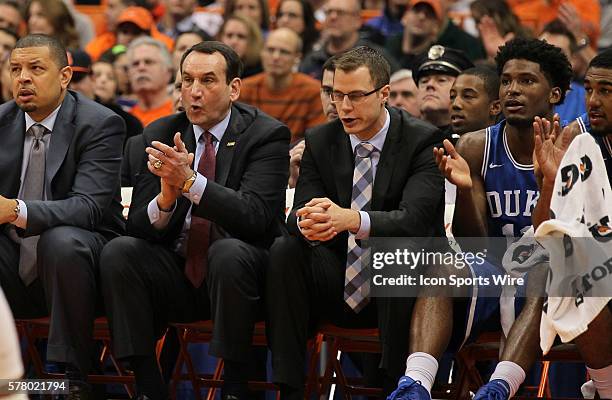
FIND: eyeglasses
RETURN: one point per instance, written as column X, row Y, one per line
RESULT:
column 402, row 93
column 354, row 97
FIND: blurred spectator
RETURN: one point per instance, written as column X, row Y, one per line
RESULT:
column 340, row 33
column 242, row 35
column 10, row 16
column 536, row 14
column 117, row 56
column 181, row 16
column 184, row 41
column 291, row 97
column 105, row 92
column 150, row 70
column 6, row 82
column 574, row 104
column 496, row 24
column 52, row 18
column 82, row 22
column 327, row 87
column 81, row 81
column 132, row 22
column 404, row 92
column 605, row 37
column 254, row 10
column 434, row 74
column 426, row 23
column 105, row 81
column 8, row 38
column 390, row 23
column 106, row 40
column 177, row 104
column 298, row 16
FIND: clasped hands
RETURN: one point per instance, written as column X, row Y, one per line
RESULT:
column 174, row 170
column 321, row 219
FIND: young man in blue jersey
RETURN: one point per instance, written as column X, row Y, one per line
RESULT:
column 496, row 193
column 594, row 345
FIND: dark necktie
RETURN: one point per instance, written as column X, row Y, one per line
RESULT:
column 199, row 232
column 356, row 285
column 32, row 189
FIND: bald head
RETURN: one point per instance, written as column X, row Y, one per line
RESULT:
column 281, row 52
column 288, row 36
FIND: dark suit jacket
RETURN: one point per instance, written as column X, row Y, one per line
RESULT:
column 408, row 193
column 82, row 169
column 407, row 200
column 247, row 199
column 134, row 158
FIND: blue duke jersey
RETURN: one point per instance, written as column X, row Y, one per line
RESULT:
column 605, row 144
column 511, row 188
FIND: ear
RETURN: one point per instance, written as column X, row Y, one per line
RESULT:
column 235, row 85
column 384, row 92
column 494, row 108
column 65, row 77
column 555, row 96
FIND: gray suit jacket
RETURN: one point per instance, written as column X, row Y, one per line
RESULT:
column 82, row 175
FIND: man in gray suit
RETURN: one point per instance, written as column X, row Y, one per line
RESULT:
column 60, row 157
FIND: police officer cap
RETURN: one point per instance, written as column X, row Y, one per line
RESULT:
column 440, row 60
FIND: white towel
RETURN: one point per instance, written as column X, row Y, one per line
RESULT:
column 579, row 240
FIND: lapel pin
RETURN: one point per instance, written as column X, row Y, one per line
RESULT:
column 230, row 144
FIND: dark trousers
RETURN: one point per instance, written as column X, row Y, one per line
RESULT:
column 66, row 289
column 305, row 286
column 145, row 288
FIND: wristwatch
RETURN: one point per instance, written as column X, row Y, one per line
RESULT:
column 17, row 209
column 189, row 182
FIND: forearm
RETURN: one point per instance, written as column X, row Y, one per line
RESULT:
column 541, row 211
column 468, row 220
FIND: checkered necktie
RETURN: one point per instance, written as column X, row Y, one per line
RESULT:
column 356, row 286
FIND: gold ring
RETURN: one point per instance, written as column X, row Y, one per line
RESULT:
column 158, row 164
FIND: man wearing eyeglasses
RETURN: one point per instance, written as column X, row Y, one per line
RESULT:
column 369, row 173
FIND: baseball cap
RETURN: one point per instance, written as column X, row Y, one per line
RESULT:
column 80, row 62
column 138, row 16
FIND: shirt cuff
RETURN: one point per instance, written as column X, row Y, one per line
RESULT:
column 364, row 226
column 22, row 217
column 159, row 219
column 197, row 189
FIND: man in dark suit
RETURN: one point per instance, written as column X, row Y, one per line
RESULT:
column 370, row 173
column 201, row 223
column 59, row 197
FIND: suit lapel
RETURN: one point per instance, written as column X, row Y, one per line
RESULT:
column 12, row 156
column 225, row 152
column 63, row 130
column 188, row 137
column 388, row 158
column 342, row 163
